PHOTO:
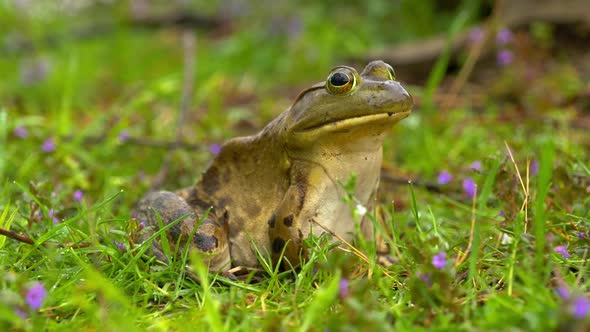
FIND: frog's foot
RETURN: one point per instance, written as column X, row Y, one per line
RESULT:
column 210, row 239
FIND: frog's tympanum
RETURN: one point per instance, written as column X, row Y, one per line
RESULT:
column 270, row 190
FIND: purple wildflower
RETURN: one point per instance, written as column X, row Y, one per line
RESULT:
column 215, row 148
column 476, row 35
column 35, row 296
column 581, row 307
column 469, row 187
column 51, row 215
column 141, row 225
column 343, row 288
column 123, row 135
column 501, row 213
column 48, row 145
column 475, row 166
column 562, row 250
column 504, row 57
column 563, row 292
column 20, row 313
column 504, row 36
column 78, row 195
column 581, row 235
column 535, row 167
column 444, row 177
column 20, row 132
column 120, row 245
column 440, row 260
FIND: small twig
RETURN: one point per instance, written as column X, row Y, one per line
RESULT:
column 476, row 52
column 354, row 250
column 16, row 236
column 430, row 186
column 525, row 187
column 188, row 43
column 515, row 167
column 461, row 257
column 25, row 239
column 188, row 85
column 142, row 141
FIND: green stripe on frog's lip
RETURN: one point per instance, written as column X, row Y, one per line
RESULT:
column 359, row 120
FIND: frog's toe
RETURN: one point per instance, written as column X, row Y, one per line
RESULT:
column 210, row 237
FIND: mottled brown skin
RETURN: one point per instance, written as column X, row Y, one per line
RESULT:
column 270, row 190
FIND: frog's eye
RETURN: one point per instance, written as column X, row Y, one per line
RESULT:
column 390, row 73
column 341, row 81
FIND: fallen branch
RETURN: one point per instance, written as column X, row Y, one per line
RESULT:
column 25, row 239
column 144, row 141
column 430, row 186
column 16, row 236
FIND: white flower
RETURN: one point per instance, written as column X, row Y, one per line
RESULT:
column 360, row 210
column 506, row 239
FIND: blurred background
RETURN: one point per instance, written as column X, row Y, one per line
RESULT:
column 101, row 101
column 86, row 84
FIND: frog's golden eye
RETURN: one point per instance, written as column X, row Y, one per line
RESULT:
column 391, row 73
column 341, row 82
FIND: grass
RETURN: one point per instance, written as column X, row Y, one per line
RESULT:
column 502, row 269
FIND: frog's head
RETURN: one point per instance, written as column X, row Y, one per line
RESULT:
column 347, row 107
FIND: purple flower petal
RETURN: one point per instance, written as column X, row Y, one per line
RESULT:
column 444, row 177
column 120, row 245
column 123, row 135
column 504, row 57
column 78, row 195
column 563, row 292
column 20, row 313
column 475, row 166
column 51, row 214
column 535, row 167
column 439, row 260
column 48, row 145
column 581, row 307
column 35, row 296
column 343, row 288
column 562, row 250
column 469, row 187
column 581, row 235
column 215, row 148
column 504, row 37
column 20, row 132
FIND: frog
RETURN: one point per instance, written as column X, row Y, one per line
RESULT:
column 265, row 194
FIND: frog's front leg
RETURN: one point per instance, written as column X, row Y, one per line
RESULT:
column 284, row 230
column 210, row 238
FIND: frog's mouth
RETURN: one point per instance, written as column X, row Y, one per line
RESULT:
column 357, row 121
